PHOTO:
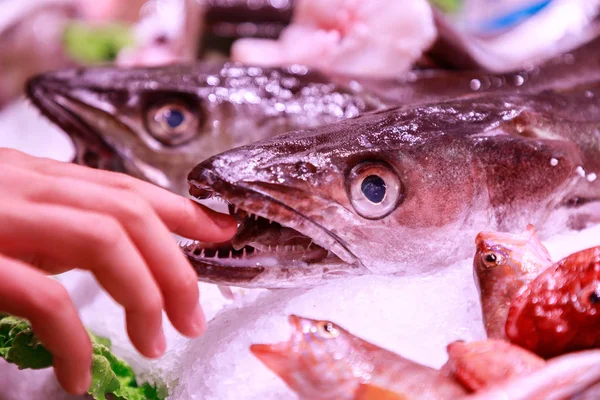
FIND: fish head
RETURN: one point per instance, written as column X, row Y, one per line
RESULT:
column 313, row 362
column 156, row 123
column 502, row 256
column 559, row 311
column 399, row 191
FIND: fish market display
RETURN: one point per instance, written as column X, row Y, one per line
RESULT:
column 400, row 191
column 323, row 361
column 503, row 264
column 548, row 308
column 559, row 311
column 221, row 106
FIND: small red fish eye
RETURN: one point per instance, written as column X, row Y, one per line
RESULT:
column 491, row 258
column 595, row 297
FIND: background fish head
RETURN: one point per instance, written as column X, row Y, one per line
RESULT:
column 156, row 123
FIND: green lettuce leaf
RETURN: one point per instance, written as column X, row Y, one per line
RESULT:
column 94, row 44
column 110, row 374
column 447, row 5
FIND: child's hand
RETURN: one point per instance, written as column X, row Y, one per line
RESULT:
column 57, row 216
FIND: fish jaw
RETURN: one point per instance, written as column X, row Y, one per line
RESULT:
column 104, row 126
column 559, row 311
column 307, row 363
column 91, row 149
column 448, row 179
column 282, row 358
column 314, row 255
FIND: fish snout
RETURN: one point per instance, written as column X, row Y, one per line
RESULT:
column 48, row 84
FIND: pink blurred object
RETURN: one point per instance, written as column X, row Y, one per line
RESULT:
column 374, row 38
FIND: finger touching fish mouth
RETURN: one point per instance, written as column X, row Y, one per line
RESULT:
column 273, row 244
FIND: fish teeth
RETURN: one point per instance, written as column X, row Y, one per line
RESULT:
column 244, row 252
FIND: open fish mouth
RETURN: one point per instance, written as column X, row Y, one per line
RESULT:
column 275, row 246
column 91, row 149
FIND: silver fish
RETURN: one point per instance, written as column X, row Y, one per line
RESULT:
column 401, row 191
column 119, row 118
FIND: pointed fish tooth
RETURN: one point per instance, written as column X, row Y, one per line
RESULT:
column 244, row 252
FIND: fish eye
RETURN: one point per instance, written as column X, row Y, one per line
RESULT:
column 327, row 330
column 594, row 297
column 492, row 259
column 374, row 189
column 172, row 123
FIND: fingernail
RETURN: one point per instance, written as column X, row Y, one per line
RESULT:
column 198, row 322
column 160, row 345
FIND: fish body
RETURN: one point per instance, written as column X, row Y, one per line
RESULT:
column 503, row 264
column 559, row 311
column 401, row 191
column 116, row 116
column 322, row 361
column 574, row 376
column 483, row 364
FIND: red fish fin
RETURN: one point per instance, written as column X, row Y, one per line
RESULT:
column 367, row 391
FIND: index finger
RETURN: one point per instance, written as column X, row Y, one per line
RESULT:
column 181, row 215
column 27, row 293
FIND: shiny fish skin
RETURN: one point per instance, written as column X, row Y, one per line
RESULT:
column 104, row 110
column 559, row 311
column 322, row 361
column 515, row 259
column 453, row 169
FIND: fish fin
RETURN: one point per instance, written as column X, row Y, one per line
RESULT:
column 367, row 391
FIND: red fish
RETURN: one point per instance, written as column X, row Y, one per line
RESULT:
column 559, row 311
column 322, row 361
column 479, row 365
column 503, row 264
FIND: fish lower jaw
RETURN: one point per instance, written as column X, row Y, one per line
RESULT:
column 268, row 253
